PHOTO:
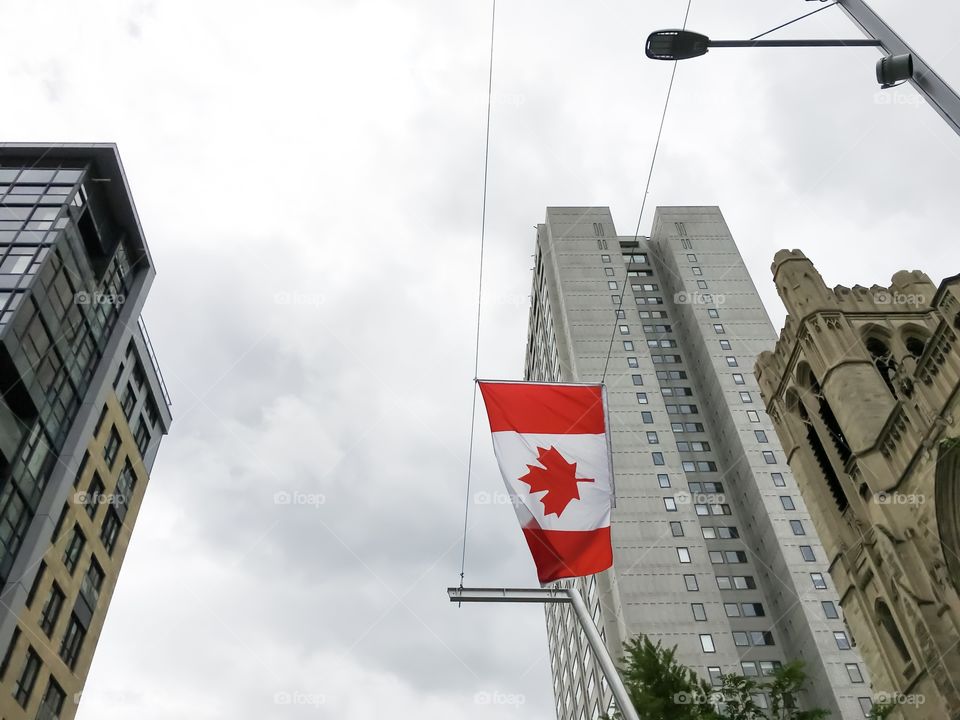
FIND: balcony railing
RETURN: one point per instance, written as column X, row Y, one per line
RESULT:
column 153, row 361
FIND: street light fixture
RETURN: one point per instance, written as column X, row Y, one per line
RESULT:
column 685, row 44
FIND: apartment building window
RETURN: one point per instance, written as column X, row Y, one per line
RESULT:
column 663, row 480
column 741, row 639
column 612, row 285
column 51, row 609
column 676, row 529
column 749, row 668
column 605, row 258
column 657, row 458
column 769, row 458
column 787, row 502
column 72, row 552
column 683, row 554
column 751, row 609
column 731, row 361
column 761, row 436
column 142, row 436
column 697, row 271
column 642, row 398
column 731, row 609
column 52, row 702
column 628, row 345
column 647, row 417
column 702, row 284
column 713, row 312
column 615, row 299
column 761, row 638
column 818, row 582
column 83, row 466
column 797, row 527
column 621, row 315
column 734, row 557
column 23, row 687
column 129, row 401
column 725, row 345
column 112, row 447
column 637, row 379
column 753, row 416
column 110, row 530
column 8, row 655
column 632, row 362
column 778, row 479
column 72, row 642
column 94, row 495
column 652, row 438
column 691, row 582
column 37, row 579
column 843, row 642
column 608, row 272
column 670, row 504
column 699, row 613
column 745, row 397
column 706, row 643
column 718, row 328
column 829, row 610
column 716, row 676
column 60, row 520
column 92, row 582
column 853, row 672
column 738, row 379
column 807, row 552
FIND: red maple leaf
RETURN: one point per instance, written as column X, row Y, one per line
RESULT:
column 557, row 477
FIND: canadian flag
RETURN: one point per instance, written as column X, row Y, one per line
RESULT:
column 552, row 447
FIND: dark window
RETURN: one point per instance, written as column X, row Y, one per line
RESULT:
column 71, row 555
column 129, row 401
column 23, row 688
column 94, row 495
column 51, row 609
column 52, row 702
column 92, row 582
column 112, row 447
column 37, row 579
column 797, row 527
column 9, row 653
column 72, row 642
column 110, row 530
column 829, row 610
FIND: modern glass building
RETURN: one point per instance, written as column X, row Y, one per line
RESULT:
column 82, row 410
column 714, row 551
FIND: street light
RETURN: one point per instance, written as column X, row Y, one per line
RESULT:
column 685, row 44
column 899, row 64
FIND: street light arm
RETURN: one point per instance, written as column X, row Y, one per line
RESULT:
column 794, row 43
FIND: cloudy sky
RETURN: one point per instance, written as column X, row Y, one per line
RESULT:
column 309, row 178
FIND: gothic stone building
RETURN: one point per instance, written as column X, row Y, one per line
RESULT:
column 862, row 388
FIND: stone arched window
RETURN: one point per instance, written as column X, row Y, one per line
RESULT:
column 795, row 404
column 889, row 625
column 883, row 360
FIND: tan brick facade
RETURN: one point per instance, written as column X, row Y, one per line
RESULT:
column 863, row 391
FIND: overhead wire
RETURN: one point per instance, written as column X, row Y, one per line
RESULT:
column 643, row 203
column 483, row 231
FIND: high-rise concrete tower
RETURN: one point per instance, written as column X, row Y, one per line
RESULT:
column 714, row 551
column 82, row 412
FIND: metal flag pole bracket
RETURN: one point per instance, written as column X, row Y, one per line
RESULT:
column 558, row 595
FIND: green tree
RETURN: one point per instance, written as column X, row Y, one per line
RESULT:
column 661, row 688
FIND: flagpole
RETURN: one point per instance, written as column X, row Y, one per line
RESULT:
column 559, row 595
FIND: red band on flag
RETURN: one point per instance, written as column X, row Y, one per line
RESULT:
column 565, row 553
column 545, row 409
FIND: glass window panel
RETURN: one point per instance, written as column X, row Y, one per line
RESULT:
column 68, row 176
column 37, row 176
column 8, row 174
